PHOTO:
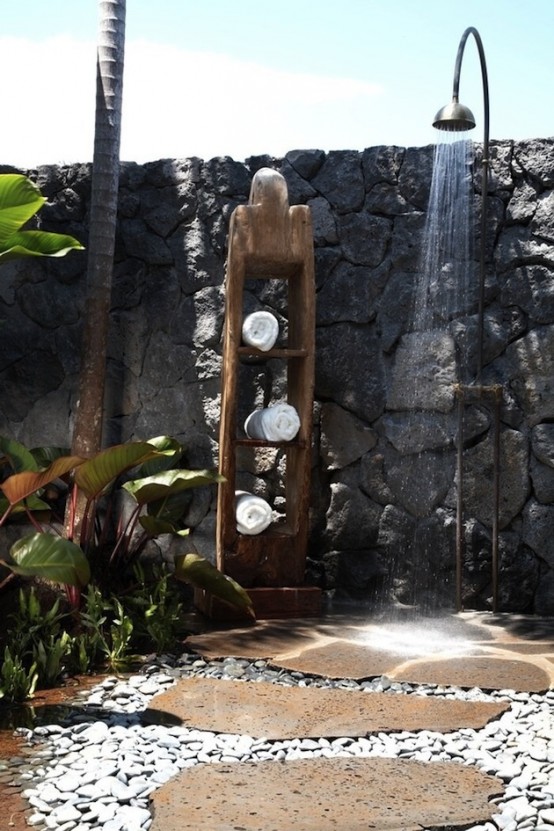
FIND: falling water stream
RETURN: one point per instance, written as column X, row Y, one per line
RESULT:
column 447, row 270
column 430, row 360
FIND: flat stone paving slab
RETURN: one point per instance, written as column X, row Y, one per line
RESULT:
column 467, row 650
column 265, row 639
column 274, row 711
column 348, row 794
column 488, row 673
column 529, row 647
column 335, row 794
column 268, row 638
column 342, row 659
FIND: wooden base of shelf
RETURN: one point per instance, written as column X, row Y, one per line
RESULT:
column 269, row 603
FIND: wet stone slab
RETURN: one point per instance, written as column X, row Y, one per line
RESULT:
column 278, row 712
column 266, row 639
column 340, row 659
column 467, row 651
column 325, row 795
column 488, row 673
column 529, row 648
column 477, row 668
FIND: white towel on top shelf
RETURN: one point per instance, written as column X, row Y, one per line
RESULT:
column 279, row 422
column 260, row 329
column 253, row 513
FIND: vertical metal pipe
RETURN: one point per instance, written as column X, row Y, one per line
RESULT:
column 496, row 495
column 460, row 500
column 482, row 252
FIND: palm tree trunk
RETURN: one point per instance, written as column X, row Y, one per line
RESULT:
column 87, row 433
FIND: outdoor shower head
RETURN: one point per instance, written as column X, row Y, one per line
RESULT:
column 454, row 117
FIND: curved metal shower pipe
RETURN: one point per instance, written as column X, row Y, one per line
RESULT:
column 458, row 118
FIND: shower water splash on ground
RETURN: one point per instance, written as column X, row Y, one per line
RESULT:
column 407, row 638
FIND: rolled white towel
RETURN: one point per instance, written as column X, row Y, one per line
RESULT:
column 260, row 329
column 252, row 512
column 277, row 423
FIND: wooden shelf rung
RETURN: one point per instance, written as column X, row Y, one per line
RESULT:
column 277, row 352
column 274, row 530
column 262, row 443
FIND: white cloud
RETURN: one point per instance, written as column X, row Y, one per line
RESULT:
column 175, row 103
column 211, row 104
column 47, row 100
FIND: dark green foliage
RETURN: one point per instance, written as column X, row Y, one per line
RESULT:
column 110, row 633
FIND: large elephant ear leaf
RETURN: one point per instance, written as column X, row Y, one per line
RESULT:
column 38, row 244
column 21, row 485
column 97, row 473
column 20, row 199
column 52, row 558
column 163, row 485
column 33, row 503
column 17, row 455
column 169, row 452
column 44, row 456
column 200, row 573
column 155, row 526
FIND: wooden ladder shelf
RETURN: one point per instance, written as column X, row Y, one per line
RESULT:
column 270, row 240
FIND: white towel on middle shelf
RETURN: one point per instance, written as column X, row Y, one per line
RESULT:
column 260, row 329
column 253, row 513
column 277, row 423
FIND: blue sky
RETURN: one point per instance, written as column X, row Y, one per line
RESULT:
column 241, row 78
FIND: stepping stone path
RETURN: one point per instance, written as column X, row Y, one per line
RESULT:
column 278, row 712
column 319, row 794
column 398, row 741
column 325, row 795
column 329, row 794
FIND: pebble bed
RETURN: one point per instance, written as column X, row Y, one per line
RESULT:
column 96, row 770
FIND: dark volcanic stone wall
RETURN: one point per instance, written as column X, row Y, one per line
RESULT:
column 384, row 489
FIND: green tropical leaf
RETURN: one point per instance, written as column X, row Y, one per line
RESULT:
column 199, row 572
column 37, row 244
column 154, row 527
column 44, row 456
column 170, row 451
column 173, row 508
column 97, row 473
column 33, row 503
column 169, row 482
column 17, row 454
column 49, row 557
column 21, row 485
column 20, row 199
column 166, row 444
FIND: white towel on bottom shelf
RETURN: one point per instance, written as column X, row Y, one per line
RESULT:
column 253, row 513
column 260, row 329
column 277, row 423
